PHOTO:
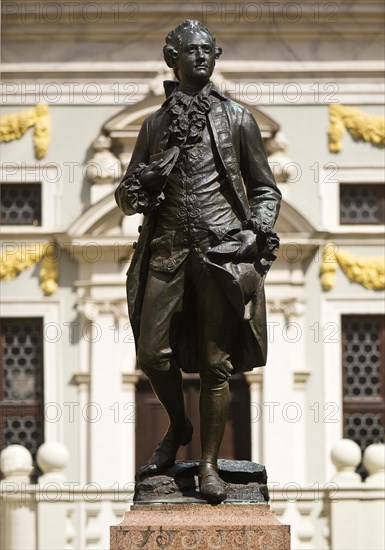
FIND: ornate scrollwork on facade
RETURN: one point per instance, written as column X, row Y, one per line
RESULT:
column 359, row 124
column 368, row 272
column 15, row 125
column 104, row 166
column 281, row 165
column 14, row 261
column 290, row 307
column 156, row 85
column 92, row 309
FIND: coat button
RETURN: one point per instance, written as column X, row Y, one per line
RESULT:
column 182, row 212
column 139, row 228
column 134, row 244
column 270, row 207
column 170, row 264
column 194, row 212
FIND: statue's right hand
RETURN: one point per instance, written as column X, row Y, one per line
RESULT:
column 152, row 179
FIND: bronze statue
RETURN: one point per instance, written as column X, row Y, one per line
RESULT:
column 200, row 176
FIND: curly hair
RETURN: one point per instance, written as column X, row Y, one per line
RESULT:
column 174, row 41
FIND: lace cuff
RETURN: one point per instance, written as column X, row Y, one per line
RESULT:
column 140, row 200
column 258, row 226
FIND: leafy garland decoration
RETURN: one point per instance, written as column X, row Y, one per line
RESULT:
column 14, row 261
column 14, row 126
column 366, row 271
column 358, row 123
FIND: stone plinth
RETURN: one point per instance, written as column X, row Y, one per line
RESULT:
column 169, row 512
column 200, row 527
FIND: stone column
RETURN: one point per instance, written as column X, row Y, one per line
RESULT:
column 106, row 411
column 18, row 507
column 374, row 462
column 357, row 508
column 299, row 408
column 374, row 508
column 346, row 456
column 129, row 381
column 283, row 403
column 255, row 380
column 52, row 459
column 82, row 380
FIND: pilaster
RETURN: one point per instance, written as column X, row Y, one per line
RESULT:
column 255, row 380
column 284, row 398
column 109, row 414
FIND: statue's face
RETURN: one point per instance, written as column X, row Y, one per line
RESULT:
column 196, row 60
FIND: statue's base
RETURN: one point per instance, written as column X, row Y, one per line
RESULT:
column 245, row 482
column 169, row 526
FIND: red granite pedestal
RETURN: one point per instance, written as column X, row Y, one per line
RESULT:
column 200, row 527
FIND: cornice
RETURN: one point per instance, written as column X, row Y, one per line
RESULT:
column 300, row 379
column 81, row 378
column 105, row 19
column 149, row 69
column 131, row 377
column 256, row 83
column 254, row 377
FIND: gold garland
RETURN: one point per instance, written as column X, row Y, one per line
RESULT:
column 368, row 272
column 15, row 126
column 328, row 267
column 359, row 124
column 16, row 259
column 49, row 271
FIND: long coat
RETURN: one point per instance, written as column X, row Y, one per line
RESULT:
column 238, row 141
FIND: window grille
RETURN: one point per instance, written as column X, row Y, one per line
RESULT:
column 21, row 383
column 363, row 347
column 362, row 204
column 21, row 204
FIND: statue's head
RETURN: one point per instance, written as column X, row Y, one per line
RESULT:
column 190, row 50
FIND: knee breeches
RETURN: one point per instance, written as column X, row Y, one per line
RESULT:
column 216, row 322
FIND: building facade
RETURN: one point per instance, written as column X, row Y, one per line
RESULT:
column 78, row 80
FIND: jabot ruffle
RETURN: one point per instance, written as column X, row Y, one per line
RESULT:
column 188, row 116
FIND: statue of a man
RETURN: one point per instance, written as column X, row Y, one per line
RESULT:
column 200, row 176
